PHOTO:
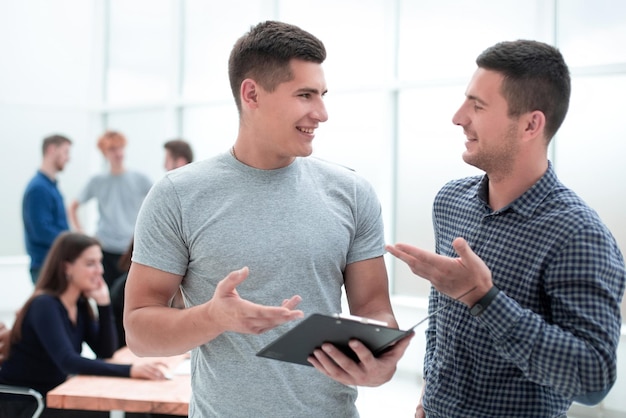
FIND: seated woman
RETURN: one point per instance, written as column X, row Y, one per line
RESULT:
column 49, row 330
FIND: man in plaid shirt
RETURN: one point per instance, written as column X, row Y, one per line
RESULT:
column 542, row 326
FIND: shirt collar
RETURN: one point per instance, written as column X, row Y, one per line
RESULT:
column 528, row 202
column 45, row 176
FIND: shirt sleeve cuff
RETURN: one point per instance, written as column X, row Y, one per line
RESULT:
column 501, row 316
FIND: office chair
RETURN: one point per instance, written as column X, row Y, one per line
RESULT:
column 19, row 390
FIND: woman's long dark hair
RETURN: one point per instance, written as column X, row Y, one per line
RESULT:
column 66, row 248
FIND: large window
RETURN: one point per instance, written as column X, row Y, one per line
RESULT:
column 592, row 33
column 140, row 51
column 396, row 71
column 440, row 40
column 209, row 31
column 48, row 78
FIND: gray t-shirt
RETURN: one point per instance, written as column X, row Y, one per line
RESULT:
column 119, row 199
column 296, row 228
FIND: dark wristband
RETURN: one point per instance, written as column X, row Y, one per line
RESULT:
column 485, row 301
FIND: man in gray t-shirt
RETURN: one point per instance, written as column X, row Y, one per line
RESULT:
column 243, row 232
column 120, row 193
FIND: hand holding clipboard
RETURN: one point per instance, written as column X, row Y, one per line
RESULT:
column 297, row 344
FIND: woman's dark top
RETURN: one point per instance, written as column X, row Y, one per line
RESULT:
column 51, row 345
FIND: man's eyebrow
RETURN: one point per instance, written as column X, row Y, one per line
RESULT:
column 476, row 98
column 311, row 90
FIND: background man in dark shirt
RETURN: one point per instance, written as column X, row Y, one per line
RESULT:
column 43, row 209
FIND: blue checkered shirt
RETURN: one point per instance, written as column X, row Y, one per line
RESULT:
column 550, row 336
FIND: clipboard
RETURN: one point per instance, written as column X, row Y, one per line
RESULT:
column 297, row 344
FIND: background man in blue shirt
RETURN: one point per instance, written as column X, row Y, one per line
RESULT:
column 542, row 326
column 43, row 209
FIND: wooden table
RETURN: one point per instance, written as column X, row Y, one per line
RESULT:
column 101, row 393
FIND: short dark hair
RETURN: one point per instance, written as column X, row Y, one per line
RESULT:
column 264, row 53
column 179, row 148
column 54, row 140
column 535, row 78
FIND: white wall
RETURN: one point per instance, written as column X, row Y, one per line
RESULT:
column 48, row 84
column 15, row 286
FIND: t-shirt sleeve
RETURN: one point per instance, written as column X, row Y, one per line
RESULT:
column 369, row 241
column 159, row 235
column 87, row 192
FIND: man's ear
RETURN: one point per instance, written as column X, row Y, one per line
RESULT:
column 535, row 124
column 249, row 93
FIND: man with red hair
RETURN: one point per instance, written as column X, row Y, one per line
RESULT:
column 119, row 193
